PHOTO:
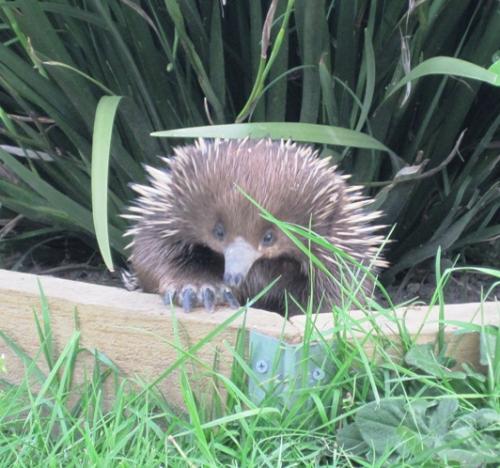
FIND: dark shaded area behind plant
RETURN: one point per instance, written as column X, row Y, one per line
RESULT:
column 166, row 57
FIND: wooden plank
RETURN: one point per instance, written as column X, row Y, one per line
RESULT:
column 422, row 324
column 135, row 330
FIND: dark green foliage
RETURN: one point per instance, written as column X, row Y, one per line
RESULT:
column 430, row 427
column 334, row 65
column 424, row 429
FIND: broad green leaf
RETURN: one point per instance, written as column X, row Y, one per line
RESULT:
column 449, row 66
column 328, row 101
column 441, row 418
column 217, row 71
column 276, row 101
column 313, row 47
column 462, row 457
column 311, row 133
column 379, row 423
column 350, row 438
column 369, row 60
column 495, row 68
column 483, row 418
column 101, row 146
column 489, row 345
column 422, row 357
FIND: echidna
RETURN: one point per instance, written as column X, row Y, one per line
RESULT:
column 197, row 240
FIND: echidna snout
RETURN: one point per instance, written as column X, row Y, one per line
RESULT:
column 239, row 256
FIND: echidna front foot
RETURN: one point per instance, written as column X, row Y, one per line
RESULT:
column 207, row 295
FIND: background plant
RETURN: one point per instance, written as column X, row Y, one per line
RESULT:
column 189, row 63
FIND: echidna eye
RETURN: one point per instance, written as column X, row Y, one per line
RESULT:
column 268, row 238
column 219, row 231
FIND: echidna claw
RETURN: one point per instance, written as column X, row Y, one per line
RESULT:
column 208, row 295
column 191, row 295
column 188, row 299
column 168, row 298
column 230, row 299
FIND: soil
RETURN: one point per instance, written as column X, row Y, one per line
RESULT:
column 77, row 272
column 463, row 287
column 63, row 258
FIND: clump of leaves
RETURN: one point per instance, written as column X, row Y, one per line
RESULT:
column 431, row 425
column 421, row 429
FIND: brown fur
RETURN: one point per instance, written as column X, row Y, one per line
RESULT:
column 175, row 214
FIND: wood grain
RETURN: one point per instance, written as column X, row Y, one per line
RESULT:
column 135, row 330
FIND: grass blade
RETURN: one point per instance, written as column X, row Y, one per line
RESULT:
column 448, row 66
column 101, row 145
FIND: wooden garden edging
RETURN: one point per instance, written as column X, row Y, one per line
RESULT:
column 136, row 330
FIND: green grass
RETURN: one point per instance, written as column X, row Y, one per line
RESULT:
column 369, row 411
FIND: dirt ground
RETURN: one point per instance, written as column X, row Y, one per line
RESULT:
column 70, row 258
column 418, row 284
column 461, row 288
